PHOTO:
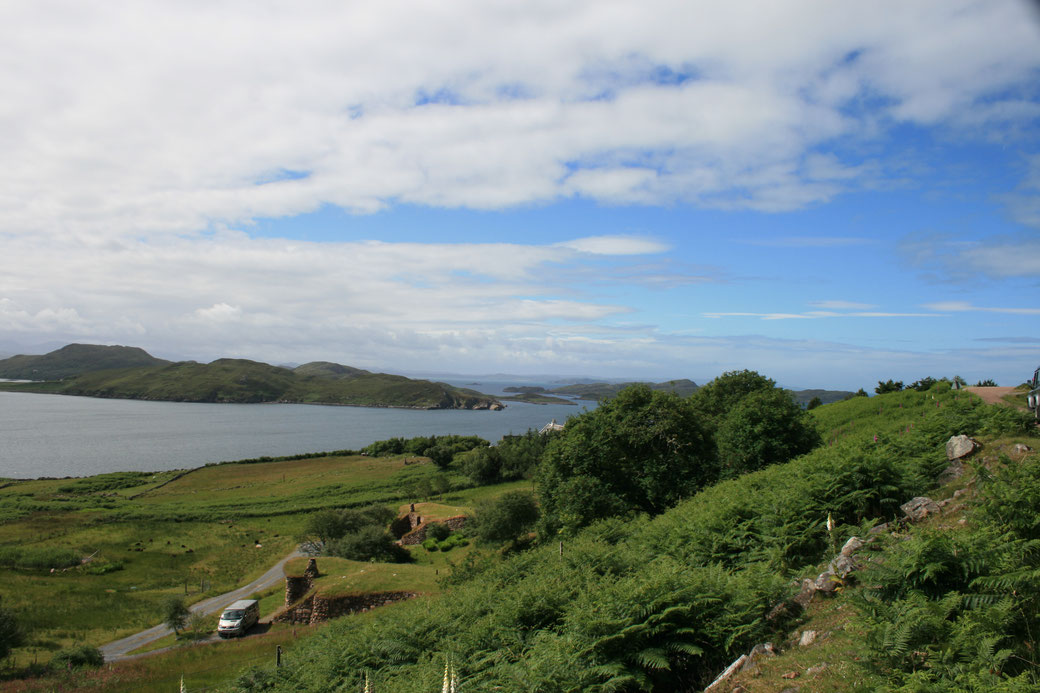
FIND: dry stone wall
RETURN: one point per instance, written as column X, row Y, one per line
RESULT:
column 318, row 607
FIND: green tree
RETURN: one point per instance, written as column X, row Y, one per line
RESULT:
column 888, row 386
column 441, row 455
column 482, row 465
column 369, row 543
column 813, row 403
column 640, row 451
column 11, row 633
column 506, row 518
column 764, row 428
column 724, row 392
column 174, row 613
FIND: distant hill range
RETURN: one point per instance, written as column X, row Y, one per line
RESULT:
column 601, row 390
column 131, row 373
column 803, row 397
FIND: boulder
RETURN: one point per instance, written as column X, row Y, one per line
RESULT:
column 916, row 509
column 843, row 565
column 1021, row 448
column 827, row 582
column 808, row 638
column 959, row 446
column 874, row 531
column 806, row 594
column 853, row 545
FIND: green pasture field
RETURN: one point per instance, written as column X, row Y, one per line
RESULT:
column 203, row 666
column 193, row 534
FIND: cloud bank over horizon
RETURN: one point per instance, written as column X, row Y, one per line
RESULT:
column 821, row 192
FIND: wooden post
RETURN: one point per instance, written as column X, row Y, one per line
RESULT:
column 278, row 656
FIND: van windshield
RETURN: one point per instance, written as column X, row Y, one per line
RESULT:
column 233, row 614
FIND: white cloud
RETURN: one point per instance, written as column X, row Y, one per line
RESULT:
column 818, row 314
column 841, row 305
column 131, row 118
column 964, row 306
column 615, row 245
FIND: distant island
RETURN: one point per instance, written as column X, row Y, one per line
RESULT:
column 123, row 372
column 599, row 391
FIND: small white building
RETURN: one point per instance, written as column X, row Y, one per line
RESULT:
column 550, row 427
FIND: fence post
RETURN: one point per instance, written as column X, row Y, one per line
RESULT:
column 278, row 656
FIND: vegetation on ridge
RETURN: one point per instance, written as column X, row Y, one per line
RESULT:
column 130, row 373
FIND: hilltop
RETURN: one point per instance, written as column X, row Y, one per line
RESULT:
column 75, row 359
column 131, row 373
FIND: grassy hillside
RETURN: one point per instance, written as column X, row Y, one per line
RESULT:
column 196, row 533
column 75, row 359
column 111, row 372
column 664, row 605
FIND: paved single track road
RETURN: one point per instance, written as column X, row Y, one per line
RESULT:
column 120, row 649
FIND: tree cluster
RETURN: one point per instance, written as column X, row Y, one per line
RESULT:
column 644, row 450
column 359, row 534
column 514, row 457
column 441, row 449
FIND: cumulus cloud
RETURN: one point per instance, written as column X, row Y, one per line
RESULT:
column 124, row 118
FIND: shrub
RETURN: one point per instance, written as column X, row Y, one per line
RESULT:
column 76, row 657
column 431, row 545
column 12, row 634
column 438, row 531
column 506, row 518
column 369, row 543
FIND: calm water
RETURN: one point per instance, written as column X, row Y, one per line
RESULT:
column 55, row 435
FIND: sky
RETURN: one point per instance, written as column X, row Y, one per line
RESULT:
column 829, row 193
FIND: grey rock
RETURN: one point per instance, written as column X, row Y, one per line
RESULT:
column 814, row 670
column 878, row 529
column 853, row 545
column 1021, row 448
column 919, row 508
column 764, row 649
column 806, row 594
column 959, row 446
column 954, row 471
column 808, row 638
column 843, row 565
column 827, row 582
column 724, row 676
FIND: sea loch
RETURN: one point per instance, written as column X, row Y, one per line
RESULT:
column 57, row 436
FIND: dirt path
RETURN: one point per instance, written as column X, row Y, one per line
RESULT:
column 119, row 649
column 993, row 395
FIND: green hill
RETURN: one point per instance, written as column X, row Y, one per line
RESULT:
column 96, row 372
column 665, row 604
column 597, row 391
column 75, row 359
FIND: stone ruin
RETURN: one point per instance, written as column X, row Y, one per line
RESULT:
column 304, row 606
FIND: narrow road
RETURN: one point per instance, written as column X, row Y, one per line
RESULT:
column 119, row 649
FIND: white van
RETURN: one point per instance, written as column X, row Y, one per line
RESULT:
column 238, row 618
